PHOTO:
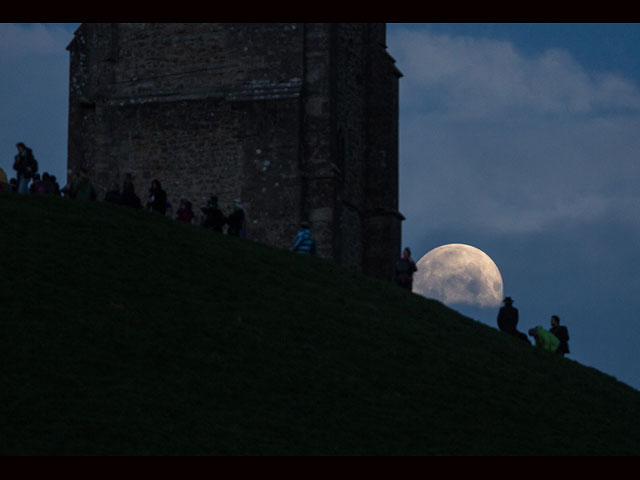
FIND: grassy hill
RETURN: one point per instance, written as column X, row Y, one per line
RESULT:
column 127, row 333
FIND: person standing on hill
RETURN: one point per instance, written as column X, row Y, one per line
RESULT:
column 157, row 198
column 404, row 270
column 213, row 216
column 562, row 333
column 545, row 340
column 236, row 220
column 129, row 197
column 508, row 319
column 25, row 166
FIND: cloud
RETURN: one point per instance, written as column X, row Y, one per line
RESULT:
column 497, row 141
column 18, row 40
column 476, row 77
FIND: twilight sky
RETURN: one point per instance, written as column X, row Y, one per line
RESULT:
column 518, row 139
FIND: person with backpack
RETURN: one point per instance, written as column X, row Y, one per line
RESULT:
column 26, row 167
column 544, row 339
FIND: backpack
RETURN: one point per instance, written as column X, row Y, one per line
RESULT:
column 30, row 165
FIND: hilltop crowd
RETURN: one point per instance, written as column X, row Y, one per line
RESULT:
column 29, row 181
column 80, row 187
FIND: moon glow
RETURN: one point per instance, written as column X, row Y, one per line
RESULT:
column 458, row 273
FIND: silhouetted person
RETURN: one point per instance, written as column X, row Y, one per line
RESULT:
column 51, row 187
column 562, row 333
column 26, row 167
column 56, row 185
column 508, row 316
column 157, row 198
column 213, row 216
column 508, row 319
column 66, row 190
column 304, row 242
column 38, row 186
column 113, row 195
column 545, row 340
column 129, row 197
column 185, row 212
column 236, row 221
column 404, row 269
column 81, row 187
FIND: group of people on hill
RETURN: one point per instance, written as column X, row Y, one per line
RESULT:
column 80, row 187
column 556, row 339
column 27, row 179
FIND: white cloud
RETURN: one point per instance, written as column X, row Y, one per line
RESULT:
column 493, row 140
column 477, row 77
column 18, row 40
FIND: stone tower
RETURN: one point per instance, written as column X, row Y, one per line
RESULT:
column 298, row 121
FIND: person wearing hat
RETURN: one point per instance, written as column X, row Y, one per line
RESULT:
column 304, row 242
column 508, row 319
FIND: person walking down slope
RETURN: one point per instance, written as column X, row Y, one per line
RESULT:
column 304, row 242
column 404, row 270
column 508, row 320
column 562, row 333
column 545, row 340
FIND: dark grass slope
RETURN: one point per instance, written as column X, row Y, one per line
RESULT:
column 127, row 333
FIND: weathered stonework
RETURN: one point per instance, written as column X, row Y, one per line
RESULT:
column 297, row 121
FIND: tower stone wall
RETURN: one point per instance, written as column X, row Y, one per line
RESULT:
column 297, row 121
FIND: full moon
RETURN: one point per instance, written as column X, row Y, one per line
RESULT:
column 458, row 273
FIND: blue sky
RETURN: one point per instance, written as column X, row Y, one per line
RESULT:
column 519, row 139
